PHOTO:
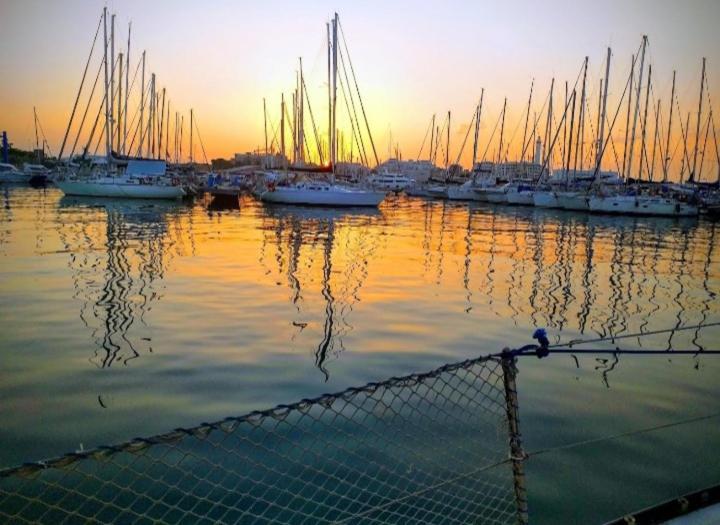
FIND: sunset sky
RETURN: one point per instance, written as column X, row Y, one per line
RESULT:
column 412, row 59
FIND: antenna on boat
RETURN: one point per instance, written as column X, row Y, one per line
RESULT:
column 697, row 132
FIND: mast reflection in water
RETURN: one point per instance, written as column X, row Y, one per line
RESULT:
column 117, row 261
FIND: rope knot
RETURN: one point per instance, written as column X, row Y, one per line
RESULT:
column 540, row 335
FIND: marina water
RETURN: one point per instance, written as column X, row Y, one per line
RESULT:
column 123, row 319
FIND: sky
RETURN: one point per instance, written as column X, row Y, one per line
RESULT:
column 412, row 59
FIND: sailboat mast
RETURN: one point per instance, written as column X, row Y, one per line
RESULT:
column 265, row 128
column 107, row 97
column 548, row 123
column 569, row 151
column 161, row 126
column 697, row 131
column 432, row 139
column 142, row 107
column 37, row 139
column 447, row 144
column 301, row 116
column 127, row 88
column 656, row 136
column 637, row 108
column 581, row 126
column 478, row 114
column 334, row 94
column 666, row 160
column 527, row 118
column 643, row 152
column 627, row 118
column 282, row 127
column 119, row 102
column 601, row 134
column 502, row 132
column 191, row 136
column 111, row 95
column 330, row 116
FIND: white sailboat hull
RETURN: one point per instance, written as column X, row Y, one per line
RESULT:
column 573, row 200
column 520, row 198
column 462, row 193
column 632, row 205
column 494, row 195
column 545, row 199
column 331, row 197
column 120, row 190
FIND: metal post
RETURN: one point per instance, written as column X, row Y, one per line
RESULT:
column 517, row 455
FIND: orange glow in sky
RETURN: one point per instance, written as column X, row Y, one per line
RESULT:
column 412, row 59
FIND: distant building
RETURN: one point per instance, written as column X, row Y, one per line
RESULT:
column 254, row 158
column 419, row 170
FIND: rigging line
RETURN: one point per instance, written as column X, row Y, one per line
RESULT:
column 312, row 120
column 620, row 351
column 363, row 156
column 467, row 133
column 612, row 125
column 42, row 132
column 551, row 147
column 622, row 434
column 637, row 334
column 139, row 123
column 87, row 107
column 492, row 135
column 357, row 89
column 537, row 121
column 683, row 134
column 82, row 82
column 137, row 109
column 352, row 101
column 427, row 132
column 201, row 140
column 97, row 118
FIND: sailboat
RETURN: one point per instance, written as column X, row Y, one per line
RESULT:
column 120, row 177
column 326, row 192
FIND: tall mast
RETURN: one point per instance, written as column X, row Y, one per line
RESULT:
column 527, row 118
column 127, row 88
column 294, row 127
column 301, row 115
column 191, row 136
column 637, row 107
column 161, row 126
column 655, row 140
column 334, row 94
column 182, row 126
column 108, row 144
column 37, row 139
column 697, row 131
column 502, row 132
column 643, row 152
column 447, row 144
column 627, row 118
column 142, row 106
column 265, row 128
column 175, row 138
column 282, row 127
column 548, row 124
column 119, row 103
column 569, row 150
column 581, row 126
column 601, row 135
column 564, row 123
column 478, row 114
column 666, row 160
column 330, row 116
column 432, row 139
column 112, row 82
column 167, row 131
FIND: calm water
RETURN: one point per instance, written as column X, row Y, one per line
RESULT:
column 123, row 319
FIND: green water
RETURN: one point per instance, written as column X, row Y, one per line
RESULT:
column 123, row 319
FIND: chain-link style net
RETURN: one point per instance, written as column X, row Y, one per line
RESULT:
column 426, row 448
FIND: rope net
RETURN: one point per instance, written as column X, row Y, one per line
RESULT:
column 426, row 448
